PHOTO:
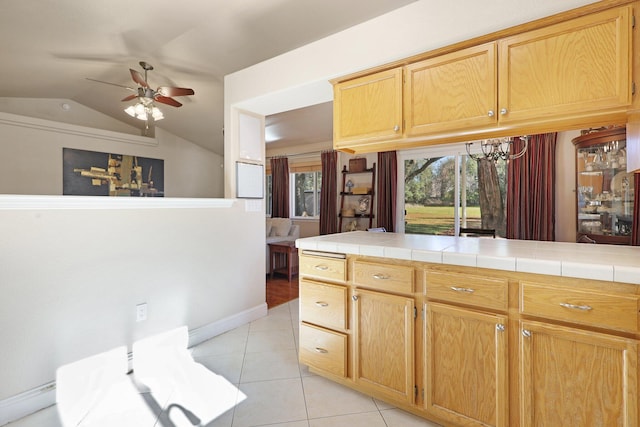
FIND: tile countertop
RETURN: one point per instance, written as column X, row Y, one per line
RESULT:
column 581, row 260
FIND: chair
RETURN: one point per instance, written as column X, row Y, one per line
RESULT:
column 479, row 231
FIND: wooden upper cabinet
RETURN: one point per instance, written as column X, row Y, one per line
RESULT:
column 577, row 67
column 368, row 108
column 452, row 91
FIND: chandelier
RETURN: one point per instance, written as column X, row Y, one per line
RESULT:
column 143, row 110
column 497, row 149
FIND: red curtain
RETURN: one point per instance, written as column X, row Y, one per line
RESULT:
column 387, row 189
column 329, row 193
column 635, row 230
column 531, row 190
column 280, row 187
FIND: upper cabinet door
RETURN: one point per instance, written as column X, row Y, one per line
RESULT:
column 452, row 91
column 572, row 68
column 368, row 108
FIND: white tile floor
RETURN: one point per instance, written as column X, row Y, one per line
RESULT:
column 261, row 360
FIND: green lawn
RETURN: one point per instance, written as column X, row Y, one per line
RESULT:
column 436, row 219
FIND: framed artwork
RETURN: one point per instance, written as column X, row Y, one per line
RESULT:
column 91, row 173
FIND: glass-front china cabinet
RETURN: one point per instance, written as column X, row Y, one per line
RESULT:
column 604, row 188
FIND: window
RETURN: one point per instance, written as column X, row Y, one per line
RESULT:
column 305, row 194
column 444, row 190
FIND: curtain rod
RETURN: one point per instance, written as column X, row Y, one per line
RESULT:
column 289, row 156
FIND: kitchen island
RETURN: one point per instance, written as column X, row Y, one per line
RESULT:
column 475, row 331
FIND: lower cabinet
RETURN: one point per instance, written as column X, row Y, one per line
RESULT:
column 383, row 334
column 466, row 366
column 323, row 349
column 571, row 377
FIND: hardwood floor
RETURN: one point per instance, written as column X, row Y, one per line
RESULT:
column 280, row 290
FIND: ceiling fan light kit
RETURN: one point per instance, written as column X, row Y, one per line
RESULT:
column 145, row 109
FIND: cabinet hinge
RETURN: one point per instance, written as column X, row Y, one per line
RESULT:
column 633, row 21
column 633, row 88
column 415, row 388
column 423, row 395
column 415, row 312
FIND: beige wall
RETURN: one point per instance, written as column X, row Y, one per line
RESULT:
column 32, row 153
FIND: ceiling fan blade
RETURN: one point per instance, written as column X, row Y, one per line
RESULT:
column 174, row 91
column 112, row 84
column 168, row 101
column 129, row 98
column 137, row 77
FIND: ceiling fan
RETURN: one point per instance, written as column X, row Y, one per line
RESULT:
column 145, row 108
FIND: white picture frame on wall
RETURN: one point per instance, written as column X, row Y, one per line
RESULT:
column 249, row 180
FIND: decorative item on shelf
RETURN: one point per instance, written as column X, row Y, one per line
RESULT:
column 497, row 149
column 353, row 226
column 349, row 186
column 360, row 190
column 363, row 204
column 359, row 164
column 348, row 213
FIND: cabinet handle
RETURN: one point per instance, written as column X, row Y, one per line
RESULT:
column 322, row 304
column 354, row 297
column 576, row 307
column 465, row 290
column 500, row 327
column 321, row 267
column 379, row 276
column 321, row 350
column 491, row 113
column 396, row 128
column 504, row 111
column 526, row 333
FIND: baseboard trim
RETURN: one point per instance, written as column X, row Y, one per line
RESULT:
column 20, row 405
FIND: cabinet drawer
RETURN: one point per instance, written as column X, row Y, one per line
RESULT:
column 478, row 291
column 323, row 304
column 578, row 306
column 385, row 277
column 323, row 349
column 334, row 269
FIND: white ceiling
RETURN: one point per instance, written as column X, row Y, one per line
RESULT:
column 49, row 49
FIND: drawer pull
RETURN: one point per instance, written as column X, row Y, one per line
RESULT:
column 321, row 350
column 321, row 267
column 526, row 333
column 379, row 276
column 322, row 304
column 465, row 290
column 576, row 307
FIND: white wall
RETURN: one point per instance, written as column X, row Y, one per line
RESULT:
column 32, row 157
column 71, row 274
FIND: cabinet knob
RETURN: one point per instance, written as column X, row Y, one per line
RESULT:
column 396, row 128
column 354, row 297
column 500, row 327
column 526, row 333
column 491, row 113
column 503, row 111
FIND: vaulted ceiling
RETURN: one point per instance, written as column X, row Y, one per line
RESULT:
column 49, row 49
